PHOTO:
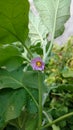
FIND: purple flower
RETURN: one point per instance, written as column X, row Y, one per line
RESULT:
column 37, row 64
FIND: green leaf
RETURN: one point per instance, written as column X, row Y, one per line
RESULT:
column 55, row 127
column 14, row 63
column 31, row 106
column 36, row 49
column 11, row 79
column 31, row 79
column 67, row 73
column 17, row 79
column 13, row 20
column 14, row 80
column 12, row 102
column 8, row 52
column 31, row 123
column 54, row 13
column 67, row 87
column 37, row 31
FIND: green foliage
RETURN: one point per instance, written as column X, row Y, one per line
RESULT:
column 11, row 79
column 11, row 105
column 19, row 84
column 37, row 30
column 32, row 121
column 13, row 21
column 60, row 100
column 60, row 65
column 53, row 14
column 9, row 54
column 33, row 79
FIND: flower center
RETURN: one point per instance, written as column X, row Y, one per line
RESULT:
column 39, row 63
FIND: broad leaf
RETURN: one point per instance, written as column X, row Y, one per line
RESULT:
column 13, row 20
column 31, row 79
column 11, row 79
column 31, row 106
column 11, row 104
column 54, row 13
column 8, row 52
column 14, row 63
column 37, row 31
column 14, row 80
column 18, row 78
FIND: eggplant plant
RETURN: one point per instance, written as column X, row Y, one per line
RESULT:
column 36, row 75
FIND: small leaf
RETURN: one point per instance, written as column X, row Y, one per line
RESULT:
column 55, row 127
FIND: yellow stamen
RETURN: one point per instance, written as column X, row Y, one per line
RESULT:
column 39, row 64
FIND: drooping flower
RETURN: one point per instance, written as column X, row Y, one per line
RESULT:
column 37, row 64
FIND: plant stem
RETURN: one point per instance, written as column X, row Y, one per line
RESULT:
column 47, row 117
column 44, row 49
column 28, row 51
column 58, row 119
column 40, row 101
